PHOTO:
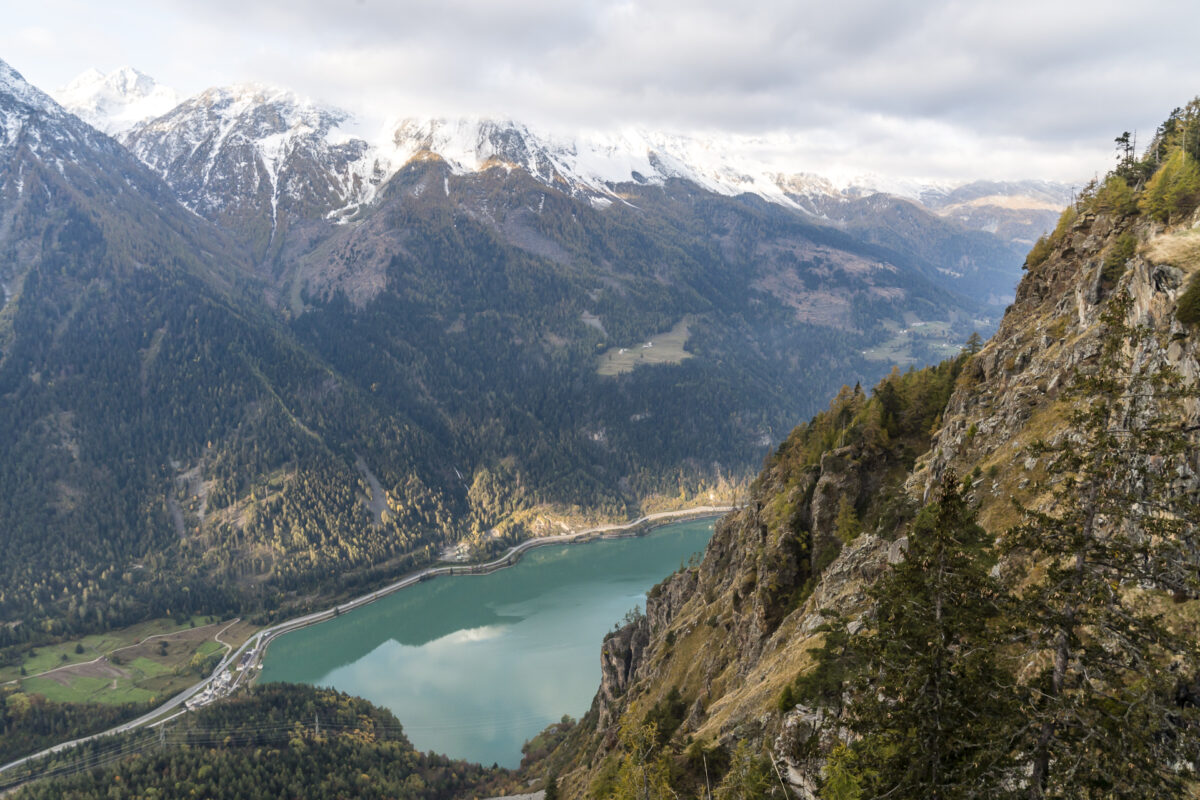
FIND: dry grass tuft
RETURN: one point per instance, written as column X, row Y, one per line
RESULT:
column 1180, row 249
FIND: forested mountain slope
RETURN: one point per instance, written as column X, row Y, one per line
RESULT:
column 980, row 580
column 129, row 355
column 275, row 741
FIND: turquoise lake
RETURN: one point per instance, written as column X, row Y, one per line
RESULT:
column 473, row 666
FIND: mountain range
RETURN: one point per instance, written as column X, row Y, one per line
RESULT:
column 246, row 356
column 306, row 156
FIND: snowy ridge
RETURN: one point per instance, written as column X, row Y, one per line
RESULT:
column 31, row 117
column 16, row 87
column 19, row 100
column 588, row 163
column 277, row 134
column 115, row 102
column 262, row 116
column 596, row 164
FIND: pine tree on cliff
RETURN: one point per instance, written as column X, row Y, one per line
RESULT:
column 644, row 773
column 750, row 777
column 931, row 707
column 1100, row 555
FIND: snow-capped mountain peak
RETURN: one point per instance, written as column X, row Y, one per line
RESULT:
column 279, row 125
column 116, row 102
column 256, row 152
column 249, row 112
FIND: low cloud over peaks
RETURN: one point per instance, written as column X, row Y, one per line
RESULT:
column 914, row 88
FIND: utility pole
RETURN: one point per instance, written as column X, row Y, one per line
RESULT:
column 317, row 723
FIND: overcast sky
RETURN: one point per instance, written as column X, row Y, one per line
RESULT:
column 938, row 89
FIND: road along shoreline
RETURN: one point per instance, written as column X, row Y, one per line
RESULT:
column 251, row 651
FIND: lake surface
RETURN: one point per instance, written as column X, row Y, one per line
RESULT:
column 473, row 666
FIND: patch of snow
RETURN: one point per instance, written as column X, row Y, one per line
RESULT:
column 12, row 84
column 868, row 184
column 272, row 150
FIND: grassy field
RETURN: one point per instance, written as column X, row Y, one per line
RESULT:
column 899, row 348
column 58, row 655
column 146, row 662
column 662, row 348
column 87, row 689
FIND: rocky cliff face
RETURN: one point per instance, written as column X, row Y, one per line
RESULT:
column 1011, row 393
column 730, row 634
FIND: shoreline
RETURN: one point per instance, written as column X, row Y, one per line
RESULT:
column 254, row 648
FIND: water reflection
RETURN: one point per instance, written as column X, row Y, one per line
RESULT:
column 475, row 665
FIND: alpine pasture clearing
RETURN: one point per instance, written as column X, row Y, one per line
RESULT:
column 662, row 348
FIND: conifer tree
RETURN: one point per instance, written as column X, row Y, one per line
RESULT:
column 645, row 773
column 1174, row 190
column 750, row 777
column 974, row 343
column 846, row 525
column 931, row 707
column 1113, row 535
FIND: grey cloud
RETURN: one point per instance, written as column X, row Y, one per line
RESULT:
column 1045, row 83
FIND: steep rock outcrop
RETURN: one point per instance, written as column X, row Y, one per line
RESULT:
column 620, row 658
column 730, row 633
column 1011, row 392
